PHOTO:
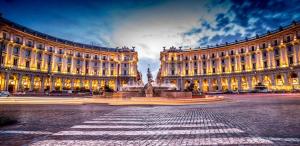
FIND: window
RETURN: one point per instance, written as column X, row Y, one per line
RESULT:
column 69, row 60
column 263, row 45
column 86, row 71
column 186, row 72
column 214, row 70
column 204, row 63
column 291, row 61
column 195, row 57
column 223, row 61
column 58, row 68
column 243, row 58
column 203, row 56
column 253, row 56
column 243, row 68
column 15, row 61
column 232, row 60
column 213, row 63
column 195, row 71
column 103, row 65
column 27, row 64
column 232, row 52
column 38, row 65
column 125, row 72
column 232, row 68
column 77, row 70
column 290, row 49
column 16, row 51
column 5, row 36
column 69, row 69
column 125, row 65
column 111, row 72
column 39, row 56
column 223, row 69
column 276, row 52
column 265, row 64
column 277, row 62
column 78, row 62
column 264, row 54
column 242, row 51
column 213, row 55
column 27, row 53
column 172, row 58
column 95, row 71
column 204, row 71
column 59, row 59
column 173, row 72
column 288, row 38
column 103, row 72
column 275, row 42
column 186, row 58
column 222, row 54
column 95, row 63
column 254, row 66
column 186, row 65
column 112, row 65
column 195, row 64
column 252, row 48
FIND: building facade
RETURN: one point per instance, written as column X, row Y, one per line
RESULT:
column 272, row 59
column 33, row 61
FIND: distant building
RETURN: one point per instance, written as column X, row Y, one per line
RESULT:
column 272, row 59
column 34, row 61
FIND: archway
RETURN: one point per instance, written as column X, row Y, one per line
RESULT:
column 293, row 79
column 279, row 80
column 244, row 83
column 234, row 84
column 224, row 83
column 205, row 85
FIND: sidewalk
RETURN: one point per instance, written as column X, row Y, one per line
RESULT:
column 109, row 101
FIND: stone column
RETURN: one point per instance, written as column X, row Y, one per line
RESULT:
column 6, row 81
column 273, row 80
column 219, row 84
column 285, row 76
column 229, row 83
column 209, row 85
column 31, row 82
column 200, row 85
column 20, row 84
column 249, row 79
column 239, row 79
column 52, row 86
column 90, row 85
column 42, row 89
column 72, row 84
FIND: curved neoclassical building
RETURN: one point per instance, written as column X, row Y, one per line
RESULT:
column 272, row 59
column 33, row 61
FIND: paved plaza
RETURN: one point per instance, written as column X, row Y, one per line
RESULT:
column 252, row 119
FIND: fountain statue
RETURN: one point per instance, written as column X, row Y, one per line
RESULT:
column 148, row 87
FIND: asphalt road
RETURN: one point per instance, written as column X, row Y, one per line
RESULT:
column 255, row 119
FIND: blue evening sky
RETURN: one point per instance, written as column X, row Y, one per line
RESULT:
column 152, row 24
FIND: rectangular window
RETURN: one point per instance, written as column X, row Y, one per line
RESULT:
column 16, row 51
column 214, row 70
column 243, row 68
column 173, row 72
column 254, row 66
column 95, row 72
column 204, row 63
column 277, row 62
column 69, row 60
column 111, row 72
column 232, row 60
column 204, row 71
column 77, row 70
column 291, row 61
column 232, row 68
column 186, row 72
column 195, row 71
column 95, row 63
column 265, row 64
column 58, row 68
column 27, row 64
column 103, row 65
column 223, row 69
column 103, row 72
column 78, row 62
column 16, row 62
column 69, row 69
column 38, row 65
column 124, row 72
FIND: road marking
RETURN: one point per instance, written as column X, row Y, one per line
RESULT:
column 146, row 122
column 24, row 132
column 147, row 126
column 153, row 132
column 196, row 141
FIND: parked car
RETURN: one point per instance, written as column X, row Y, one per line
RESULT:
column 4, row 94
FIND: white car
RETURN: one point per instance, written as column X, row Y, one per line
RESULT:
column 4, row 94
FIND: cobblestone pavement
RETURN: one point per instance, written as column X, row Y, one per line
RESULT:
column 241, row 120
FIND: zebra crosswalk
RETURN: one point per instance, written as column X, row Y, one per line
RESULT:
column 121, row 127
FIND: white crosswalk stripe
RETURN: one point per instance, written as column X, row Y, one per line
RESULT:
column 153, row 127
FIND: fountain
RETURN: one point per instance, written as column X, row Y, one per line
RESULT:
column 152, row 89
